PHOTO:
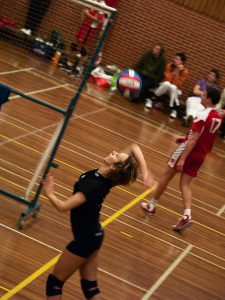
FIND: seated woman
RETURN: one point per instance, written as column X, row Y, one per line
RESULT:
column 193, row 103
column 174, row 78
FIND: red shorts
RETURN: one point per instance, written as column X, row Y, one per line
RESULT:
column 86, row 34
column 192, row 163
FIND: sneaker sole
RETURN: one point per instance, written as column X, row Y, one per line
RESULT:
column 182, row 228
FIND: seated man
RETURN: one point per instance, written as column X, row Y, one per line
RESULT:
column 151, row 68
column 174, row 77
column 193, row 103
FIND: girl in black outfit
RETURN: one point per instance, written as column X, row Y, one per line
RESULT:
column 85, row 205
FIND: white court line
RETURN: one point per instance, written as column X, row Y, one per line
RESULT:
column 88, row 94
column 143, row 145
column 164, row 276
column 71, row 87
column 59, row 251
column 123, row 280
column 221, row 211
column 27, row 179
column 167, row 234
column 169, row 130
column 140, row 181
column 40, row 91
column 139, row 230
column 96, row 100
column 69, row 149
column 116, row 133
column 15, row 71
column 29, row 133
column 29, row 237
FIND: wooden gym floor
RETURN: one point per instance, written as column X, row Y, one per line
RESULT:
column 142, row 258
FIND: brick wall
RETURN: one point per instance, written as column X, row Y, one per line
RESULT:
column 138, row 26
column 141, row 23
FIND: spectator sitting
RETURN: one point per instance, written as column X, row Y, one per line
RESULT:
column 174, row 77
column 193, row 103
column 151, row 68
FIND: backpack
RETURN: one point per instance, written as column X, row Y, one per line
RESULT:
column 56, row 39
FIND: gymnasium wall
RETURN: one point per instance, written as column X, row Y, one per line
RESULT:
column 138, row 26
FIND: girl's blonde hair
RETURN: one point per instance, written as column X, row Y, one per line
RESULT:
column 125, row 172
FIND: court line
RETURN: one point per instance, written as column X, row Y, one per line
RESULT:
column 29, row 133
column 70, row 166
column 143, row 145
column 167, row 234
column 57, row 250
column 221, row 211
column 107, row 103
column 113, row 105
column 40, row 91
column 131, row 113
column 69, row 149
column 155, row 228
column 165, row 275
column 120, row 188
column 3, row 288
column 53, row 261
column 171, row 211
column 15, row 71
column 138, row 180
column 71, row 144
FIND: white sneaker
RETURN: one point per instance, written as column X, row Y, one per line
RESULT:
column 173, row 114
column 26, row 31
column 148, row 207
column 148, row 103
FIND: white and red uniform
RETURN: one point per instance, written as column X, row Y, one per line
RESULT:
column 207, row 123
column 90, row 27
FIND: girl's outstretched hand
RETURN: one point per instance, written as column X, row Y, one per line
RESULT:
column 49, row 185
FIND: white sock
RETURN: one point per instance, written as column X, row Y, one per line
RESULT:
column 153, row 202
column 187, row 212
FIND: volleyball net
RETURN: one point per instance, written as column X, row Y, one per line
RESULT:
column 49, row 49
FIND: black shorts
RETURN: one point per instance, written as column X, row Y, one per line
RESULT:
column 84, row 247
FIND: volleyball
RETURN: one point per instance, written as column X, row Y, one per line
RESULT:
column 129, row 83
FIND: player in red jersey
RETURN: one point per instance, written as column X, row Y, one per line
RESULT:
column 189, row 156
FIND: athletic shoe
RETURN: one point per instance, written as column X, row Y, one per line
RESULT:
column 173, row 114
column 148, row 103
column 26, row 31
column 183, row 223
column 148, row 207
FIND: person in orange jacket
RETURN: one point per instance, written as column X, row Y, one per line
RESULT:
column 174, row 78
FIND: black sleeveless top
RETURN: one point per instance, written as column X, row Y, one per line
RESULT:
column 85, row 218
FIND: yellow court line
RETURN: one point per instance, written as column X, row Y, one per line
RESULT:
column 21, row 187
column 105, row 223
column 126, row 234
column 59, row 161
column 29, row 279
column 159, row 205
column 120, row 188
column 3, row 288
column 53, row 261
column 126, row 207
